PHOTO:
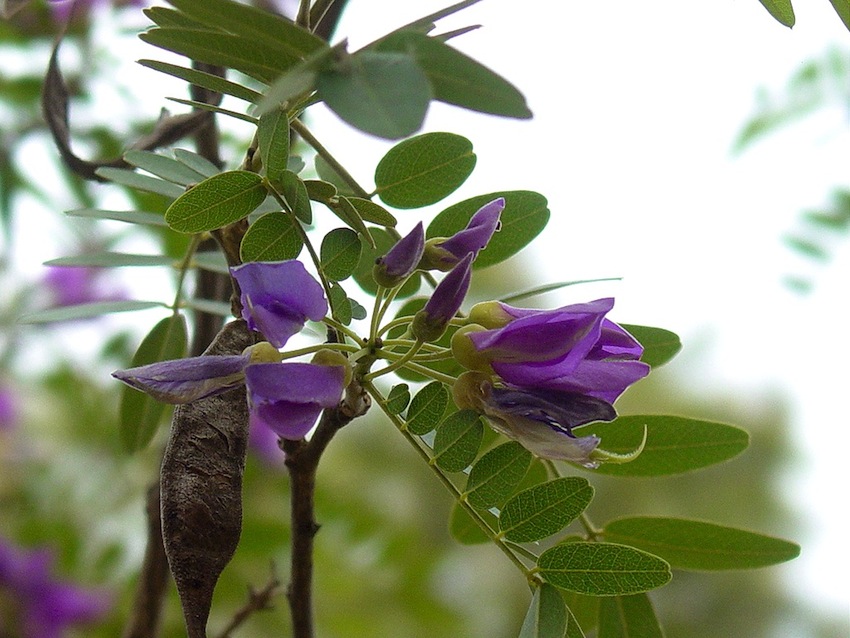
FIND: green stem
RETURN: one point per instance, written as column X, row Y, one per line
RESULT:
column 342, row 347
column 299, row 127
column 404, row 360
column 451, row 487
column 373, row 326
column 185, row 265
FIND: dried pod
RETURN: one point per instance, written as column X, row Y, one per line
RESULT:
column 201, row 486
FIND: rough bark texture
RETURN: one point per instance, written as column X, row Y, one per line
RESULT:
column 201, row 487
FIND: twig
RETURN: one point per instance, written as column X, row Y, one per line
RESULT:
column 257, row 601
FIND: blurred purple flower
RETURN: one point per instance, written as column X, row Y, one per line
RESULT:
column 278, row 298
column 265, row 444
column 74, row 285
column 9, row 413
column 401, row 260
column 63, row 10
column 40, row 606
column 445, row 254
column 570, row 349
column 287, row 398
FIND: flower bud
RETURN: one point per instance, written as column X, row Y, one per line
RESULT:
column 401, row 260
column 431, row 322
column 327, row 357
column 466, row 353
column 445, row 253
column 490, row 314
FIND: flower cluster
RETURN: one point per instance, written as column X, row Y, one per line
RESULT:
column 537, row 374
column 277, row 300
column 33, row 604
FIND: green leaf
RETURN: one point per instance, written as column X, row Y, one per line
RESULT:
column 320, row 191
column 525, row 216
column 842, row 8
column 164, row 167
column 340, row 305
column 253, row 58
column 216, row 202
column 213, row 108
column 273, row 237
column 398, row 398
column 465, row 530
column 128, row 216
column 602, row 569
column 384, row 94
column 659, row 345
column 296, row 195
column 197, row 163
column 547, row 615
column 424, row 169
column 496, row 475
column 545, row 509
column 458, row 79
column 204, row 80
column 288, row 42
column 140, row 414
column 427, row 408
column 347, row 213
column 513, row 298
column 674, row 444
column 273, row 140
column 628, row 617
column 111, row 260
column 457, row 441
column 88, row 310
column 373, row 213
column 696, row 545
column 340, row 253
column 145, row 183
column 781, row 10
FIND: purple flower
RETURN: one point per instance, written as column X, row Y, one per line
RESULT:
column 288, row 397
column 278, row 298
column 430, row 323
column 445, row 254
column 401, row 260
column 74, row 285
column 40, row 606
column 571, row 349
column 540, row 420
column 185, row 380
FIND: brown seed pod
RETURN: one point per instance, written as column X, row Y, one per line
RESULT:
column 201, row 486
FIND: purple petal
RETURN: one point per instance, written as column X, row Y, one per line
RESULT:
column 185, row 380
column 9, row 412
column 430, row 323
column 278, row 298
column 288, row 397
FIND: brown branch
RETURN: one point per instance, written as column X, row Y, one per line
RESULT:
column 146, row 614
column 302, row 460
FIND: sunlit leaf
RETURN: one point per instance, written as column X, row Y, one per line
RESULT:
column 216, row 202
column 385, row 94
column 273, row 237
column 197, row 163
column 164, row 167
column 842, row 8
column 546, row 616
column 128, row 216
column 204, row 80
column 140, row 414
column 602, row 569
column 146, row 183
column 111, row 260
column 781, row 10
column 273, row 140
column 340, row 253
column 628, row 617
column 427, row 408
column 697, row 545
column 496, row 474
column 296, row 195
column 457, row 441
column 88, row 310
column 373, row 213
column 545, row 509
column 674, row 444
column 424, row 169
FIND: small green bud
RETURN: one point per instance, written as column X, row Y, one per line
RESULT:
column 326, row 357
column 489, row 314
column 466, row 353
